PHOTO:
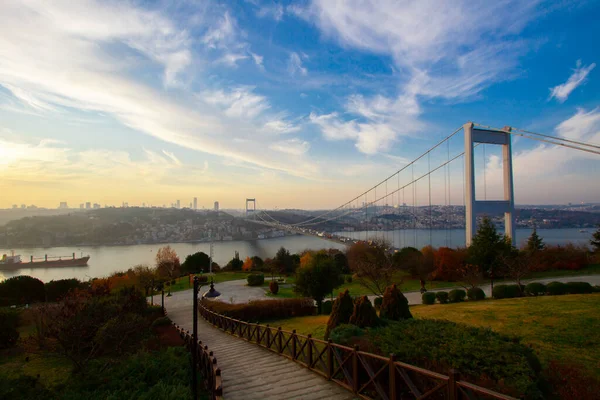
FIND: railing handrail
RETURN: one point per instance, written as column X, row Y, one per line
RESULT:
column 207, row 363
column 308, row 349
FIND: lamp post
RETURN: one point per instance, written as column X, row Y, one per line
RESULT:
column 195, row 340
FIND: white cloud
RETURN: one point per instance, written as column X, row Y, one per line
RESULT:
column 274, row 11
column 239, row 102
column 294, row 147
column 280, row 126
column 231, row 59
column 222, row 34
column 295, row 65
column 258, row 60
column 578, row 77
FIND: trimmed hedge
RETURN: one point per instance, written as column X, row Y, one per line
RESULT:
column 56, row 290
column 428, row 298
column 475, row 294
column 556, row 288
column 255, row 279
column 579, row 288
column 274, row 287
column 263, row 310
column 457, row 295
column 442, row 297
column 535, row 289
column 162, row 321
column 21, row 289
column 506, row 291
column 343, row 334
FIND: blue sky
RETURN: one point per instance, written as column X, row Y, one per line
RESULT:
column 299, row 104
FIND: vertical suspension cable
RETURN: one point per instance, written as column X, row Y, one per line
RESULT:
column 448, row 210
column 366, row 219
column 463, row 188
column 414, row 188
column 484, row 178
column 430, row 209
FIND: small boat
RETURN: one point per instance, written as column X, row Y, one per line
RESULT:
column 583, row 231
column 14, row 262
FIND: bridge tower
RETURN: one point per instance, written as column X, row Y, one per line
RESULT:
column 473, row 206
column 253, row 209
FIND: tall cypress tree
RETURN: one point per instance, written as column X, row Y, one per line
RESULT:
column 595, row 242
column 535, row 243
column 487, row 247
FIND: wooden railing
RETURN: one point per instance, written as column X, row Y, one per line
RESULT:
column 368, row 375
column 207, row 364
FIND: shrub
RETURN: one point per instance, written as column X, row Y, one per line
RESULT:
column 394, row 305
column 378, row 301
column 457, row 295
column 120, row 334
column 202, row 279
column 597, row 288
column 570, row 381
column 506, row 291
column 56, row 290
column 480, row 354
column 556, row 288
column 9, row 322
column 579, row 288
column 263, row 310
column 274, row 287
column 344, row 333
column 21, row 289
column 535, row 289
column 428, row 298
column 349, row 279
column 162, row 321
column 326, row 307
column 255, row 279
column 341, row 311
column 475, row 294
column 442, row 297
column 364, row 315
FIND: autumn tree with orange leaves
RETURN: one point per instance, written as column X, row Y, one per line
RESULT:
column 167, row 263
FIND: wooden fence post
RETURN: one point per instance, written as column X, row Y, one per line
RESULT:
column 454, row 377
column 268, row 336
column 329, row 359
column 294, row 357
column 310, row 355
column 279, row 343
column 392, row 378
column 355, row 369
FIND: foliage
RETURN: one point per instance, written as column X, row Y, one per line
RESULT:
column 479, row 354
column 56, row 290
column 486, row 248
column 535, row 289
column 456, row 295
column 349, row 279
column 247, row 266
column 9, row 322
column 257, row 263
column 341, row 311
column 442, row 297
column 534, row 243
column 195, row 263
column 235, row 264
column 377, row 302
column 410, row 260
column 471, row 274
column 341, row 261
column 372, row 265
column 569, row 381
column 344, row 333
column 167, row 263
column 517, row 264
column 24, row 387
column 595, row 241
column 448, row 263
column 579, row 288
column 161, row 321
column 428, row 298
column 568, row 257
column 274, row 287
column 255, row 279
column 394, row 305
column 21, row 289
column 475, row 294
column 284, row 262
column 262, row 310
column 120, row 334
column 556, row 288
column 506, row 291
column 319, row 278
column 364, row 315
column 327, row 307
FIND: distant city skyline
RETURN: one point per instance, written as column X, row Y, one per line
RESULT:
column 297, row 104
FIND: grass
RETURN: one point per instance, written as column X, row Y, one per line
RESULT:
column 557, row 327
column 53, row 370
column 183, row 283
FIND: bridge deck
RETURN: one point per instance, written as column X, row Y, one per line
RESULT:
column 249, row 371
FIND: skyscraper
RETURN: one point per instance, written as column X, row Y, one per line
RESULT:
column 178, row 204
column 88, row 205
column 63, row 205
column 195, row 203
column 216, row 206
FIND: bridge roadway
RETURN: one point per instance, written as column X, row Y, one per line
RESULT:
column 248, row 370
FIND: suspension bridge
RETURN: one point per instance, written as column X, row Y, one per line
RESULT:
column 446, row 187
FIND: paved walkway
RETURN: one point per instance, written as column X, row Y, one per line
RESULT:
column 249, row 371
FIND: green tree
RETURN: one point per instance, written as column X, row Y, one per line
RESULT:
column 235, row 264
column 319, row 278
column 257, row 263
column 487, row 248
column 284, row 261
column 373, row 265
column 534, row 243
column 341, row 261
column 595, row 241
column 194, row 263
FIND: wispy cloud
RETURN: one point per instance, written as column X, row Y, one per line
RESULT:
column 295, row 147
column 295, row 65
column 577, row 78
column 274, row 11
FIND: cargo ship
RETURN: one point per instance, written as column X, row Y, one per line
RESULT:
column 14, row 262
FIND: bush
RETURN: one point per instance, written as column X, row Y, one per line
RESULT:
column 428, row 298
column 162, row 321
column 457, row 295
column 21, row 289
column 344, row 333
column 326, row 307
column 341, row 311
column 377, row 303
column 579, row 288
column 56, row 290
column 535, row 289
column 442, row 297
column 481, row 355
column 349, row 279
column 120, row 334
column 364, row 315
column 9, row 322
column 255, row 279
column 274, row 287
column 475, row 294
column 394, row 305
column 506, row 291
column 597, row 289
column 202, row 279
column 263, row 310
column 556, row 288
column 571, row 381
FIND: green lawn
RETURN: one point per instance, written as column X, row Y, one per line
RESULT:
column 53, row 370
column 557, row 327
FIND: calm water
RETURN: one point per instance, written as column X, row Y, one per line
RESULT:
column 107, row 259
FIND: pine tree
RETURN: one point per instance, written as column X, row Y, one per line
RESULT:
column 535, row 243
column 487, row 248
column 342, row 309
column 364, row 315
column 595, row 242
column 394, row 305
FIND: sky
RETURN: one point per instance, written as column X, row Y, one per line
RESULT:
column 297, row 104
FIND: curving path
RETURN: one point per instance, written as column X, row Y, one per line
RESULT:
column 249, row 371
